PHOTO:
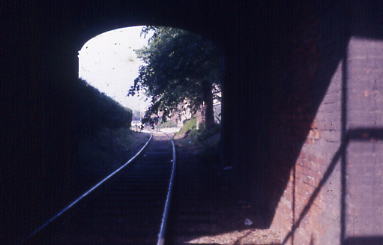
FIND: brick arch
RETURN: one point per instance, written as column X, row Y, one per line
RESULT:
column 265, row 126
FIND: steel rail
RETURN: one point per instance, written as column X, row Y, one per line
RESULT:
column 165, row 214
column 86, row 193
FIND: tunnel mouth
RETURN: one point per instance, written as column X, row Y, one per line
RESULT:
column 113, row 62
column 118, row 102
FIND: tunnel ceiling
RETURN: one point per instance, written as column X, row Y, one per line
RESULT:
column 218, row 20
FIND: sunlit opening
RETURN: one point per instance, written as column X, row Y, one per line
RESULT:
column 109, row 63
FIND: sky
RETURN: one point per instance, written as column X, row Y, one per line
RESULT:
column 108, row 62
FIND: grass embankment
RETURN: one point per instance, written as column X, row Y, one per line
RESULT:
column 106, row 150
column 104, row 140
column 167, row 124
column 203, row 142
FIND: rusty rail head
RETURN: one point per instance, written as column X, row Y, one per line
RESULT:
column 85, row 194
column 165, row 214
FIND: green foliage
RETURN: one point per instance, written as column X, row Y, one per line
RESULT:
column 204, row 133
column 189, row 125
column 207, row 140
column 103, row 138
column 95, row 110
column 178, row 65
column 167, row 124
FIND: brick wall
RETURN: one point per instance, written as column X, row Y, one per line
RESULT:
column 326, row 184
column 308, row 210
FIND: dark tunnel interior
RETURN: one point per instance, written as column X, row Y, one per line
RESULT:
column 281, row 61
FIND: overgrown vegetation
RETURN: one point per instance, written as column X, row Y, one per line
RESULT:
column 204, row 142
column 96, row 111
column 181, row 70
column 104, row 139
column 199, row 136
column 167, row 124
column 189, row 125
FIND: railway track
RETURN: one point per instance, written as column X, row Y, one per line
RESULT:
column 130, row 206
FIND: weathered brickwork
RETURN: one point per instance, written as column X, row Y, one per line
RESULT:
column 334, row 189
column 308, row 210
column 304, row 134
column 364, row 153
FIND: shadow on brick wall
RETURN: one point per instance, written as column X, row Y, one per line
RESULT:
column 366, row 240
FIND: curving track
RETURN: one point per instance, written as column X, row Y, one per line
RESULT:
column 127, row 209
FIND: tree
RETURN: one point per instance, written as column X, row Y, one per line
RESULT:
column 179, row 67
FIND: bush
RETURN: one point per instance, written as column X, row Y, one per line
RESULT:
column 167, row 124
column 189, row 125
column 203, row 133
column 95, row 110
